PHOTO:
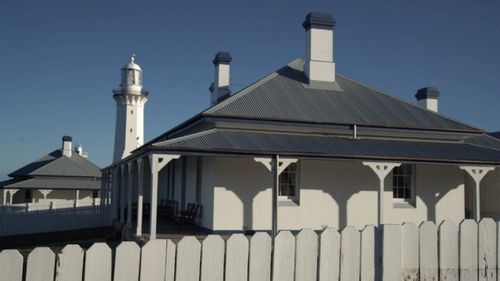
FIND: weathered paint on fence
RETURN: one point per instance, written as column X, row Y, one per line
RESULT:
column 428, row 252
column 448, row 251
column 470, row 249
column 487, row 250
column 409, row 252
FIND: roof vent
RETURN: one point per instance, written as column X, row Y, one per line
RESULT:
column 428, row 98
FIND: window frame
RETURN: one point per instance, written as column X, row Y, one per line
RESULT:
column 294, row 199
column 413, row 188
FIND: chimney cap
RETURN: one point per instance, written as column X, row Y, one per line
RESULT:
column 67, row 138
column 222, row 58
column 426, row 93
column 319, row 20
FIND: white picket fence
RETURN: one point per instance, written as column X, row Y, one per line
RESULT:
column 51, row 220
column 27, row 207
column 406, row 252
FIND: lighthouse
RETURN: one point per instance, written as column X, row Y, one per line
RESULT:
column 130, row 99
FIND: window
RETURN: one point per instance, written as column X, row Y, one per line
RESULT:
column 289, row 182
column 403, row 183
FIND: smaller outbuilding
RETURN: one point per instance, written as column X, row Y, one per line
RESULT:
column 62, row 178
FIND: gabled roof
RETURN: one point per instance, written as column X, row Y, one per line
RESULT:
column 315, row 145
column 55, row 164
column 285, row 96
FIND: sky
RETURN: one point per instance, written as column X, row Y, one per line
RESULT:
column 60, row 59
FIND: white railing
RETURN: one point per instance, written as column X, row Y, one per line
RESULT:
column 26, row 207
column 390, row 253
column 51, row 220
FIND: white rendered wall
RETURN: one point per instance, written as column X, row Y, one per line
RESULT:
column 490, row 195
column 319, row 55
column 430, row 104
column 332, row 194
column 129, row 129
column 221, row 75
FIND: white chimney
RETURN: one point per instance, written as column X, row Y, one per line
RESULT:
column 319, row 65
column 66, row 147
column 220, row 87
column 428, row 98
column 79, row 151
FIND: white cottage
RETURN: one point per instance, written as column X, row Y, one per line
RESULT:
column 306, row 147
column 61, row 179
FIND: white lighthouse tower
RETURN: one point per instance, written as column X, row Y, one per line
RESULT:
column 130, row 99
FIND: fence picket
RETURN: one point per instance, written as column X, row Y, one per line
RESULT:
column 448, row 251
column 237, row 258
column 153, row 260
column 284, row 256
column 98, row 263
column 487, row 247
column 260, row 257
column 409, row 252
column 329, row 261
column 127, row 260
column 41, row 265
column 349, row 253
column 11, row 265
column 170, row 261
column 212, row 258
column 498, row 249
column 391, row 252
column 306, row 255
column 70, row 264
column 468, row 250
column 369, row 253
column 188, row 259
column 428, row 252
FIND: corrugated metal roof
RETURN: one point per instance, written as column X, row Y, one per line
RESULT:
column 52, row 183
column 254, row 142
column 54, row 164
column 283, row 96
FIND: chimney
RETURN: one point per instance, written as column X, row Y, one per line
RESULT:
column 428, row 98
column 66, row 147
column 79, row 151
column 319, row 65
column 220, row 87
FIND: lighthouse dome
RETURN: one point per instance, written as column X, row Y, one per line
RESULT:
column 131, row 73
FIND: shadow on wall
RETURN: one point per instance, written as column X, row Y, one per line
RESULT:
column 326, row 195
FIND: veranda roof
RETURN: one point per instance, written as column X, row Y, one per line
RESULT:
column 307, row 145
column 52, row 183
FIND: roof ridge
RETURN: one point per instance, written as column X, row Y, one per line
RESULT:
column 408, row 103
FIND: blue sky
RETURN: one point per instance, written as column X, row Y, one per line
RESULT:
column 61, row 58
